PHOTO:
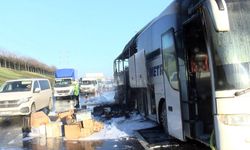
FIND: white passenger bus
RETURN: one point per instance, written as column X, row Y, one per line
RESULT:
column 189, row 70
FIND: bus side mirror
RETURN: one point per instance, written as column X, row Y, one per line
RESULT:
column 218, row 12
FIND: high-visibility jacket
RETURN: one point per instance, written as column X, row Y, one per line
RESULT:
column 76, row 89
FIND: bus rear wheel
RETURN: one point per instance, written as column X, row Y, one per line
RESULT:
column 163, row 117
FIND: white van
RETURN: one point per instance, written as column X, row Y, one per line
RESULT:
column 23, row 96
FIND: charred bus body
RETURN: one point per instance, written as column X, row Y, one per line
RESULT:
column 189, row 69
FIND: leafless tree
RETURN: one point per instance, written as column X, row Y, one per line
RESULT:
column 11, row 60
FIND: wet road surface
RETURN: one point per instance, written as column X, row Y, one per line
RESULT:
column 12, row 137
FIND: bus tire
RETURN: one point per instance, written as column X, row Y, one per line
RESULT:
column 163, row 117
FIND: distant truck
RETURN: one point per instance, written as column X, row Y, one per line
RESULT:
column 66, row 85
column 89, row 86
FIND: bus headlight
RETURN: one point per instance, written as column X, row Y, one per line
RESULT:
column 235, row 120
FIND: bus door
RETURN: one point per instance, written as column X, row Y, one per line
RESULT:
column 171, row 85
column 199, row 81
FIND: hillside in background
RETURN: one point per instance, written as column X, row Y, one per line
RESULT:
column 23, row 63
column 7, row 74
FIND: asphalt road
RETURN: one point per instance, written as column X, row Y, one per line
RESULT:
column 12, row 137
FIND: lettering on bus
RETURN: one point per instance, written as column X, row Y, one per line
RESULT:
column 155, row 71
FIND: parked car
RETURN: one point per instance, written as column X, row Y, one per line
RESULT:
column 24, row 96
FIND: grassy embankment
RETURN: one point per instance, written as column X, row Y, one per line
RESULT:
column 7, row 74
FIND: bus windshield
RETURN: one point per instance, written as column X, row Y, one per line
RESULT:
column 232, row 49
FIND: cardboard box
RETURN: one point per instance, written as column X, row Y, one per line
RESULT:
column 38, row 118
column 88, row 123
column 97, row 126
column 86, row 132
column 67, row 114
column 72, row 131
column 39, row 131
column 83, row 115
column 54, row 129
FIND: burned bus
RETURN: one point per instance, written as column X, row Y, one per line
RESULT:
column 189, row 70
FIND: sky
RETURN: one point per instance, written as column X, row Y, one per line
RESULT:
column 80, row 34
